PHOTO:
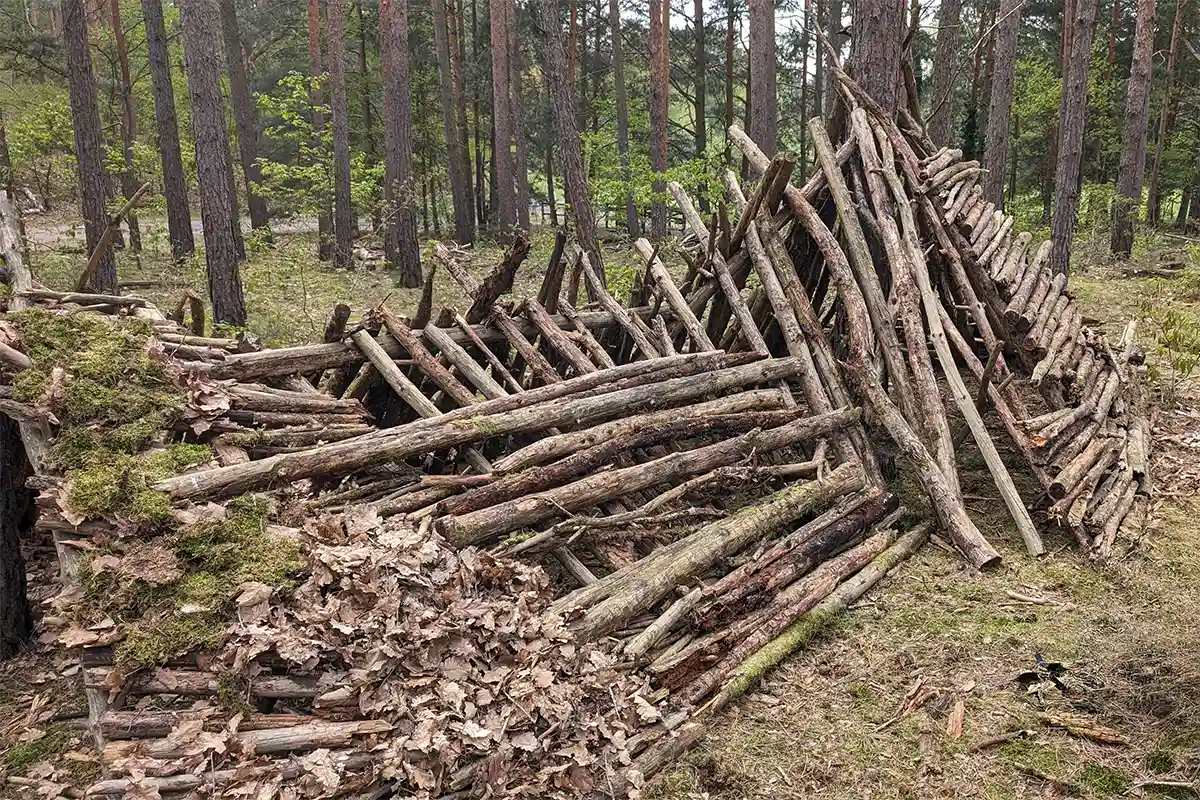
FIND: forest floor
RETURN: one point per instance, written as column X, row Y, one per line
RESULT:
column 827, row 723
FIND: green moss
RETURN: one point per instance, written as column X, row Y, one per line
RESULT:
column 215, row 559
column 153, row 642
column 111, row 382
column 1104, row 781
column 109, row 483
column 231, row 692
column 1160, row 762
column 18, row 757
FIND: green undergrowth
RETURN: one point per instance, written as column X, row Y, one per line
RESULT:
column 189, row 581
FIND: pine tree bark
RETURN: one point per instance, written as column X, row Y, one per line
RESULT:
column 502, row 155
column 1004, row 67
column 574, row 177
column 460, row 172
column 89, row 143
column 764, row 118
column 129, row 180
column 1166, row 118
column 837, row 38
column 218, row 208
column 316, row 98
column 943, row 103
column 166, row 123
column 632, row 223
column 1071, row 111
column 244, row 115
column 1133, row 138
column 482, row 208
column 458, row 58
column 520, row 139
column 16, row 616
column 343, row 209
column 400, row 232
column 701, row 82
column 876, row 31
column 659, row 102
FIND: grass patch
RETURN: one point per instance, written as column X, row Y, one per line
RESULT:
column 54, row 742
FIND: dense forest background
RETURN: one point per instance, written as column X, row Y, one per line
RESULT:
column 380, row 119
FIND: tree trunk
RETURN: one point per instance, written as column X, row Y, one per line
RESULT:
column 1133, row 139
column 659, row 104
column 569, row 148
column 343, row 210
column 316, row 70
column 218, row 209
column 877, row 29
column 942, row 101
column 1166, row 117
column 1071, row 111
column 520, row 139
column 16, row 616
column 456, row 157
column 764, row 120
column 89, row 143
column 1004, row 64
column 730, row 29
column 701, row 70
column 129, row 179
column 179, row 215
column 502, row 155
column 837, row 38
column 400, row 234
column 632, row 223
column 244, row 115
column 481, row 199
column 550, row 183
column 364, row 88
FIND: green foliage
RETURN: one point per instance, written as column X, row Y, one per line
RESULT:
column 302, row 182
column 42, row 145
column 1175, row 332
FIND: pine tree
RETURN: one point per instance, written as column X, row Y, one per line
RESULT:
column 89, row 144
column 876, row 32
column 244, row 115
column 1133, row 139
column 218, row 206
column 343, row 209
column 456, row 156
column 179, row 215
column 316, row 99
column 632, row 223
column 129, row 179
column 502, row 155
column 400, row 231
column 1071, row 111
column 764, row 117
column 1004, row 63
column 943, row 102
column 659, row 104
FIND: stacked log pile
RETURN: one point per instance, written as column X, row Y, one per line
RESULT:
column 700, row 468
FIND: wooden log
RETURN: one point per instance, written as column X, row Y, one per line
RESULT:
column 662, row 625
column 499, row 280
column 1136, row 453
column 679, row 306
column 678, row 426
column 998, row 238
column 461, row 360
column 14, row 358
column 1109, row 498
column 1064, row 337
column 596, row 350
column 942, row 159
column 1029, row 283
column 311, row 736
column 496, row 364
column 944, row 177
column 755, row 583
column 1107, row 395
column 554, row 447
column 965, row 199
column 247, row 399
column 789, row 605
column 1103, row 545
column 551, row 333
column 551, row 288
column 474, row 526
column 981, row 227
column 627, row 593
column 749, row 213
column 1014, row 260
column 287, row 769
column 541, row 368
column 1075, row 470
column 778, row 185
column 1051, row 307
column 770, row 655
column 84, row 298
column 118, row 725
column 950, row 510
column 525, row 413
column 662, row 337
column 1065, row 507
column 426, row 361
column 639, row 333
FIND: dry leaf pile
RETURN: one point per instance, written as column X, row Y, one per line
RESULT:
column 479, row 688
